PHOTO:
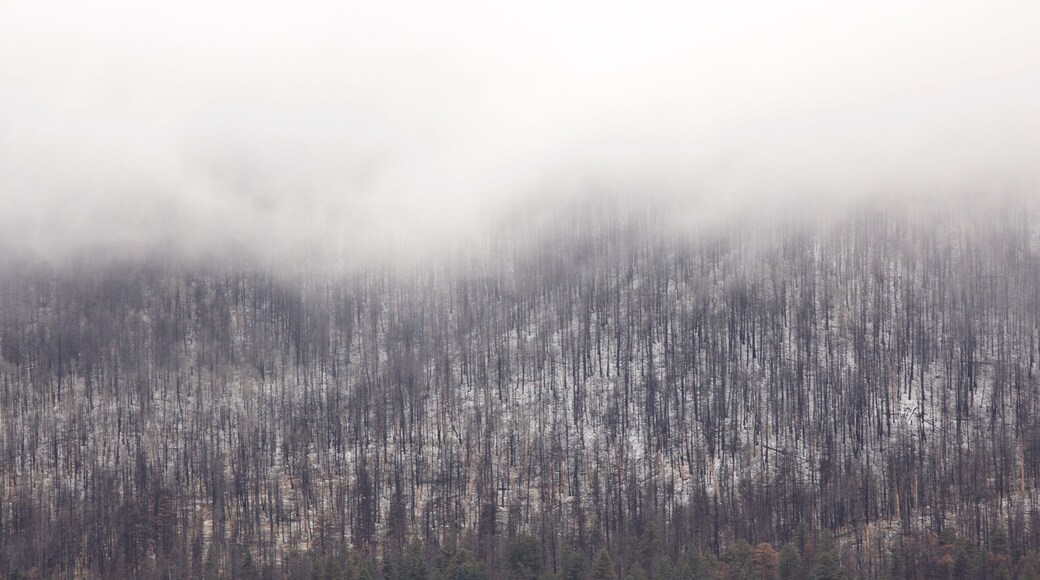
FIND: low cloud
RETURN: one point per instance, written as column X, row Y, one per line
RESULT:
column 352, row 129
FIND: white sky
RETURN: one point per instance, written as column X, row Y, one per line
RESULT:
column 279, row 126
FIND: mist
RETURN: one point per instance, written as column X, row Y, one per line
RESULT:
column 356, row 129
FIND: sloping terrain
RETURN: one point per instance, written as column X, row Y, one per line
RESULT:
column 583, row 383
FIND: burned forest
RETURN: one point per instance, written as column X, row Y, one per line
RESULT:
column 602, row 397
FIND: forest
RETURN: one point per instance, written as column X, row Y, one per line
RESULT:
column 599, row 394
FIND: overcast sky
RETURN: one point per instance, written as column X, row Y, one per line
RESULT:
column 278, row 126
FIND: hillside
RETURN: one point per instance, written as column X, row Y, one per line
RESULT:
column 593, row 383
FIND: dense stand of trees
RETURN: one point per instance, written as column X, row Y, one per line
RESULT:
column 607, row 390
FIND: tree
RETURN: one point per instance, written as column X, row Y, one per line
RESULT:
column 463, row 566
column 739, row 559
column 766, row 560
column 247, row 569
column 665, row 569
column 896, row 561
column 415, row 562
column 828, row 565
column 211, row 566
column 573, row 564
column 1029, row 566
column 603, row 566
column 648, row 545
column 524, row 557
column 584, row 383
column 636, row 572
column 789, row 565
column 999, row 543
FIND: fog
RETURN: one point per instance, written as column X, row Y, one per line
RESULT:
column 352, row 129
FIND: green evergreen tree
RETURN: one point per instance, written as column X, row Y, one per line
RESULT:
column 463, row 566
column 700, row 567
column 897, row 562
column 211, row 567
column 369, row 569
column 828, row 564
column 524, row 557
column 980, row 564
column 999, row 565
column 603, row 566
column 649, row 543
column 801, row 536
column 248, row 567
column 999, row 543
column 790, row 565
column 1029, row 566
column 353, row 564
column 333, row 568
column 1001, row 570
column 573, row 564
column 962, row 559
column 415, row 562
column 636, row 572
column 392, row 565
column 741, row 564
column 665, row 569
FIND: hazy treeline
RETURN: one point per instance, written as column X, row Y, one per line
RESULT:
column 592, row 386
